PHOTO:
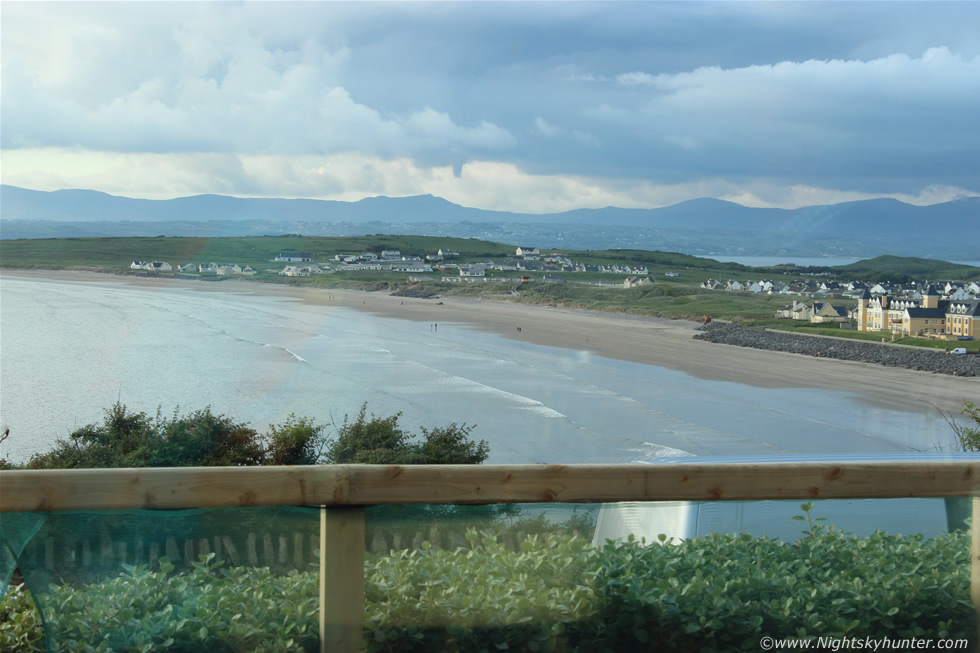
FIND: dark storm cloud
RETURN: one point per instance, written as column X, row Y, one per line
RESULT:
column 877, row 97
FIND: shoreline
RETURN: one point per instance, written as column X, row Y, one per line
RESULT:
column 645, row 340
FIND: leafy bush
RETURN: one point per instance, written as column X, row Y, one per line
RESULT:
column 380, row 440
column 203, row 439
column 20, row 624
column 720, row 592
column 198, row 439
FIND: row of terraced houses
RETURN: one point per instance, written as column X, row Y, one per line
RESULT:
column 928, row 317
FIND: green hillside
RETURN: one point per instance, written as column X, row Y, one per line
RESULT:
column 900, row 268
column 258, row 252
column 648, row 258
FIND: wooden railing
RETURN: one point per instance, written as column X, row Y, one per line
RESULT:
column 344, row 490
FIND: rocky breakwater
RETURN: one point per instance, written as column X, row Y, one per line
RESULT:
column 928, row 360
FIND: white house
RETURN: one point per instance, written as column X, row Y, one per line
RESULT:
column 390, row 254
column 361, row 267
column 294, row 271
column 801, row 311
column 187, row 267
column 153, row 266
column 228, row 269
column 795, row 311
column 472, row 271
column 734, row 285
column 528, row 251
column 411, row 266
column 293, row 257
column 636, row 282
column 208, row 267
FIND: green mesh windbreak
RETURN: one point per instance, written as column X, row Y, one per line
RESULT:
column 236, row 579
column 519, row 577
column 16, row 531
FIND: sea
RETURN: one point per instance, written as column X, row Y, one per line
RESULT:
column 804, row 261
column 70, row 349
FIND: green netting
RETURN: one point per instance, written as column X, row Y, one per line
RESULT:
column 519, row 578
column 158, row 580
column 16, row 530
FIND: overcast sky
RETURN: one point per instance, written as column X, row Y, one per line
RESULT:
column 532, row 107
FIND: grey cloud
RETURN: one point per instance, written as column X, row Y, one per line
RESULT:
column 866, row 96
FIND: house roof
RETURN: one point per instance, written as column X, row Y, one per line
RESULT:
column 926, row 312
column 822, row 306
column 972, row 308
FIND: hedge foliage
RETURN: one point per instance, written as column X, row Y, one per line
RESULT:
column 128, row 438
column 558, row 593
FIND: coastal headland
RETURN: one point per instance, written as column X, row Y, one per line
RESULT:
column 646, row 340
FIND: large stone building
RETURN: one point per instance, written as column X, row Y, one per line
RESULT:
column 930, row 317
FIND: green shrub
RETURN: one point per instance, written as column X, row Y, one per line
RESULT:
column 720, row 592
column 197, row 439
column 203, row 439
column 20, row 623
column 381, row 441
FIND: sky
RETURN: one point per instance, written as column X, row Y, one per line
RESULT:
column 519, row 106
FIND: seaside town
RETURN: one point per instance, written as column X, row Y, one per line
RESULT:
column 938, row 310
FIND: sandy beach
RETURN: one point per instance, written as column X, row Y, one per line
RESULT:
column 653, row 341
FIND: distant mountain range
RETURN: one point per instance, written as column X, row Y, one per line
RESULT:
column 948, row 230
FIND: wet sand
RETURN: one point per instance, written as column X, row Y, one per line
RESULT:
column 652, row 341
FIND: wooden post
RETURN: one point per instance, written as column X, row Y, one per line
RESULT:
column 975, row 560
column 298, row 550
column 341, row 579
column 253, row 557
column 268, row 551
column 231, row 549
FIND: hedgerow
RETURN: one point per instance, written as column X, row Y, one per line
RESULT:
column 713, row 593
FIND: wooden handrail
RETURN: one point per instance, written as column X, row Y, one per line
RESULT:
column 342, row 489
column 348, row 485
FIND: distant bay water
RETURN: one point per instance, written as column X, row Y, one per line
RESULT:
column 768, row 261
column 68, row 350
